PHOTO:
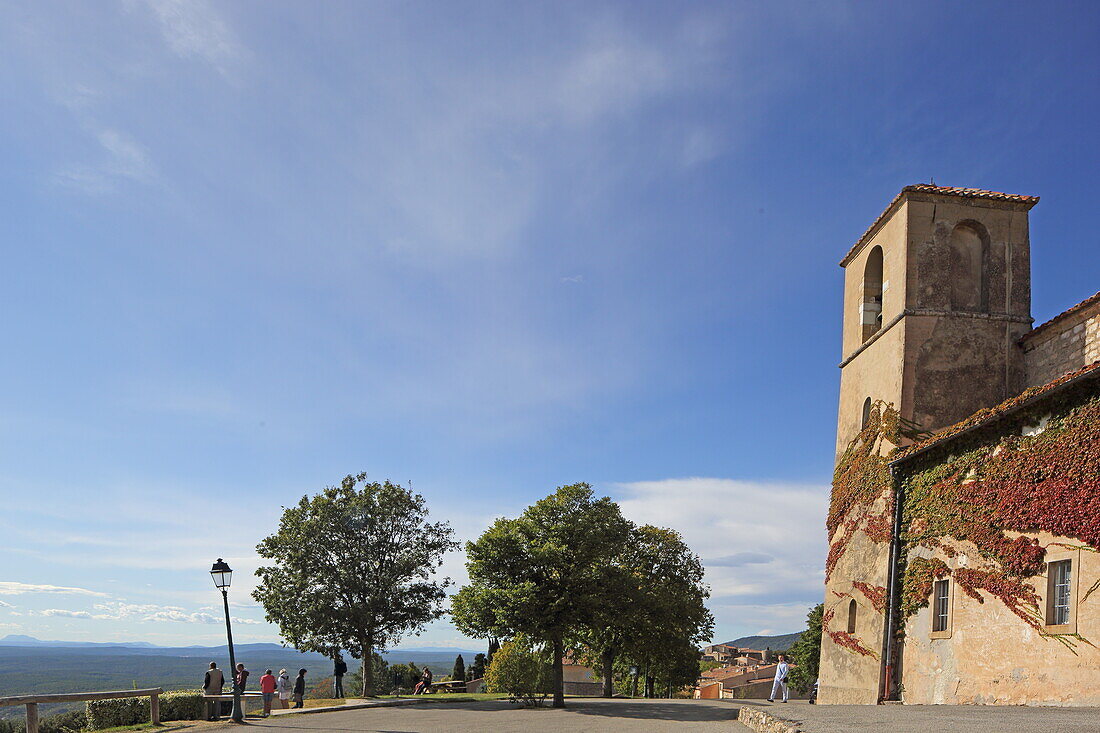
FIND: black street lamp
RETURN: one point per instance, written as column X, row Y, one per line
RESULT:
column 222, row 574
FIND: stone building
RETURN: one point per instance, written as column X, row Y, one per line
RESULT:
column 742, row 682
column 965, row 513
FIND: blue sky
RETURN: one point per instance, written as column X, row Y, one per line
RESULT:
column 485, row 248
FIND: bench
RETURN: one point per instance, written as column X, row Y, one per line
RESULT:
column 228, row 697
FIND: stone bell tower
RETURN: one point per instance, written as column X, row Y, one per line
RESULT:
column 937, row 293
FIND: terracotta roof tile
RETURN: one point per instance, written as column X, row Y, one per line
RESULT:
column 971, row 193
column 1091, row 300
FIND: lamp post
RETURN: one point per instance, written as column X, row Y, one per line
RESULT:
column 222, row 574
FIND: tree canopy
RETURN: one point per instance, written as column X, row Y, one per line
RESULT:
column 572, row 571
column 352, row 568
column 655, row 613
column 477, row 669
column 543, row 574
column 459, row 671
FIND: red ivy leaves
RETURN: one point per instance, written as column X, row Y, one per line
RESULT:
column 860, row 478
column 1018, row 596
column 1048, row 482
column 920, row 574
column 843, row 639
column 876, row 594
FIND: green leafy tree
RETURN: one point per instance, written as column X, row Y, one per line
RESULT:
column 806, row 652
column 352, row 569
column 459, row 671
column 543, row 574
column 521, row 671
column 477, row 668
column 654, row 607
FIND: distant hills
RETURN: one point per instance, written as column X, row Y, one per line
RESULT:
column 780, row 643
column 29, row 665
column 21, row 640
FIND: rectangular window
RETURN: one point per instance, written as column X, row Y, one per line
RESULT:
column 940, row 599
column 1059, row 576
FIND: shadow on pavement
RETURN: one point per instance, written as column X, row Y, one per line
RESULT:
column 684, row 711
column 681, row 711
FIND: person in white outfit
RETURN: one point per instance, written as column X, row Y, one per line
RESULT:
column 781, row 671
column 282, row 686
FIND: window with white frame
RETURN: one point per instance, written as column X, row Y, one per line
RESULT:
column 941, row 597
column 1059, row 576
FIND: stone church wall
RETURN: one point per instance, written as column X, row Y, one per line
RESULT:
column 991, row 657
column 988, row 512
column 1064, row 345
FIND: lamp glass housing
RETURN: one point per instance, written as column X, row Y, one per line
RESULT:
column 222, row 574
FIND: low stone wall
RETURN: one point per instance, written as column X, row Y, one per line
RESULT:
column 760, row 720
column 585, row 689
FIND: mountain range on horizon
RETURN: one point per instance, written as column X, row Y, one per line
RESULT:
column 777, row 643
column 22, row 640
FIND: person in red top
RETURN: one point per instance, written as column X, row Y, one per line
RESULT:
column 267, row 688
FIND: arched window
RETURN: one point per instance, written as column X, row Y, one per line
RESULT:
column 852, row 616
column 968, row 256
column 866, row 414
column 870, row 308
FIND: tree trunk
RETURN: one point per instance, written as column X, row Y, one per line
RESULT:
column 366, row 647
column 559, row 688
column 608, row 669
column 649, row 687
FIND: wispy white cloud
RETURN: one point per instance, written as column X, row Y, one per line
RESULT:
column 195, row 29
column 64, row 613
column 473, row 154
column 122, row 159
column 144, row 612
column 762, row 544
column 701, row 145
column 128, row 159
column 11, row 588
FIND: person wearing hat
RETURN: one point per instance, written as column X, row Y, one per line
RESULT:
column 282, row 686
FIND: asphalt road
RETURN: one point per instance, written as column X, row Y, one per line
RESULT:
column 598, row 716
column 932, row 718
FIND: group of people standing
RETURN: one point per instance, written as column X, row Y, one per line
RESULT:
column 270, row 686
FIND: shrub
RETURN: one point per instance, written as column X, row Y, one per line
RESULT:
column 70, row 721
column 179, row 705
column 520, row 671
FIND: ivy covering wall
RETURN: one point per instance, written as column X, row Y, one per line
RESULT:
column 979, row 485
column 989, row 491
column 862, row 502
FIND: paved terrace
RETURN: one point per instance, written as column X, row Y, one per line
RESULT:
column 931, row 718
column 591, row 714
column 659, row 716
